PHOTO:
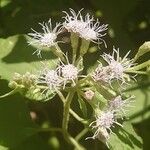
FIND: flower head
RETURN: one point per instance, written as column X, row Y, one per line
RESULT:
column 117, row 65
column 102, row 125
column 48, row 37
column 120, row 106
column 68, row 72
column 51, row 79
column 86, row 27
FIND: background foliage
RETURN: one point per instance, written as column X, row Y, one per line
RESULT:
column 129, row 27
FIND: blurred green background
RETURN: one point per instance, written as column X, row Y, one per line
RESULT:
column 129, row 28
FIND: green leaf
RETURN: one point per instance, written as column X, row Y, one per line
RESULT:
column 125, row 139
column 140, row 110
column 16, row 124
column 16, row 56
column 34, row 143
column 145, row 48
column 16, row 127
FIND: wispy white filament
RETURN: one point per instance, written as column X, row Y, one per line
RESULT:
column 86, row 27
column 48, row 37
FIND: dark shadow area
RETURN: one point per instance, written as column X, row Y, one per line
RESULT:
column 143, row 129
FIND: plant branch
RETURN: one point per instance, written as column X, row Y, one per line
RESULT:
column 75, row 115
column 66, row 110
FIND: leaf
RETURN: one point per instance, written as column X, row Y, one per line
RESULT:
column 140, row 110
column 145, row 48
column 16, row 125
column 125, row 139
column 34, row 143
column 16, row 56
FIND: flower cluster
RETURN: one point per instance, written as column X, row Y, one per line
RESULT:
column 107, row 119
column 115, row 70
column 87, row 28
column 54, row 79
column 68, row 77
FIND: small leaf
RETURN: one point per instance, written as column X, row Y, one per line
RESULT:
column 145, row 48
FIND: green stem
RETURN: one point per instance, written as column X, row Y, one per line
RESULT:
column 74, row 44
column 75, row 143
column 139, row 67
column 75, row 115
column 10, row 93
column 66, row 110
column 65, row 121
column 81, row 134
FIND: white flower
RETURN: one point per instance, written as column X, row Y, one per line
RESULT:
column 118, row 65
column 51, row 78
column 120, row 106
column 86, row 27
column 68, row 72
column 102, row 125
column 48, row 37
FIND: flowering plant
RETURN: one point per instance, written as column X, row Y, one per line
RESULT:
column 100, row 91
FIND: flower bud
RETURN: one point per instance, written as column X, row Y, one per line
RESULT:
column 89, row 94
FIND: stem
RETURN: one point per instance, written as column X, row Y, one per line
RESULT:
column 66, row 110
column 81, row 134
column 66, row 120
column 75, row 115
column 75, row 143
column 74, row 44
column 139, row 67
column 10, row 93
